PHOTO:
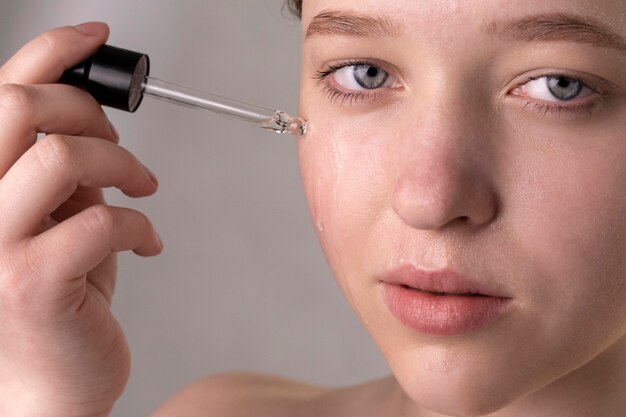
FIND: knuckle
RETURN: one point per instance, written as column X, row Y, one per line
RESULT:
column 54, row 152
column 100, row 220
column 15, row 98
column 51, row 42
column 48, row 40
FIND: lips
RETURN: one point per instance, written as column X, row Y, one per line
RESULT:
column 438, row 282
column 443, row 302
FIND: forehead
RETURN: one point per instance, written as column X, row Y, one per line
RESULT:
column 461, row 15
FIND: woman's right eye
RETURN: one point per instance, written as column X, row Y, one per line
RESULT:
column 362, row 77
column 355, row 81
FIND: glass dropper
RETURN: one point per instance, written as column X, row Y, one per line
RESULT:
column 275, row 120
column 118, row 78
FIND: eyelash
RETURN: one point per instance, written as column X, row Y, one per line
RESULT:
column 542, row 107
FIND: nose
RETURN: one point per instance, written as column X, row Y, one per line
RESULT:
column 444, row 174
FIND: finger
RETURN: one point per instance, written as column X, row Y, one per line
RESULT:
column 49, row 173
column 82, row 198
column 44, row 59
column 79, row 244
column 102, row 277
column 28, row 110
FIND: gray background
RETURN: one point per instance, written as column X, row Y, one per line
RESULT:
column 242, row 283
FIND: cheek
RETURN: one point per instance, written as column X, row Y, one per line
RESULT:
column 346, row 183
column 568, row 232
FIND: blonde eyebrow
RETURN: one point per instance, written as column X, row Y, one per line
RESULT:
column 544, row 27
column 558, row 27
column 343, row 23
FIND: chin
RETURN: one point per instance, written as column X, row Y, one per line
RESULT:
column 459, row 384
column 461, row 399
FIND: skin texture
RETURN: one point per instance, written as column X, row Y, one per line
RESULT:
column 451, row 166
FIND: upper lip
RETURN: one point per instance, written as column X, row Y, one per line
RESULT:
column 439, row 281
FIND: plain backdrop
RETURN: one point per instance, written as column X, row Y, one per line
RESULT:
column 242, row 283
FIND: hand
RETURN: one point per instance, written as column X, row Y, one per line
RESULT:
column 62, row 353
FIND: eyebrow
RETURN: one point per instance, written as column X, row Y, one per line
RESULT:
column 558, row 27
column 544, row 27
column 339, row 23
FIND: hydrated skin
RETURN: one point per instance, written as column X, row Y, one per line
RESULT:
column 451, row 165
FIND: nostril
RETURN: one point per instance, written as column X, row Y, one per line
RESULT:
column 427, row 203
column 463, row 219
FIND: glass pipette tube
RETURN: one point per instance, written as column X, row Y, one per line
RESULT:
column 275, row 120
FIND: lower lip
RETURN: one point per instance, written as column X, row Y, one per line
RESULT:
column 442, row 315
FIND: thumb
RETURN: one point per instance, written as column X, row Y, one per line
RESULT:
column 44, row 59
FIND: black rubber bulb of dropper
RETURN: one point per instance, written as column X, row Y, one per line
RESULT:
column 113, row 76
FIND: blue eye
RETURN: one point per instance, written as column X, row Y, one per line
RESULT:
column 361, row 77
column 564, row 88
column 356, row 80
column 556, row 88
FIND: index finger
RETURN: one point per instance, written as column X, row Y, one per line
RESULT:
column 44, row 59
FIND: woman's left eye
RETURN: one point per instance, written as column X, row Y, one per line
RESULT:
column 362, row 77
column 554, row 88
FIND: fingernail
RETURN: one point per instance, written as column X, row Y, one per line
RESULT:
column 153, row 177
column 90, row 28
column 114, row 131
column 158, row 237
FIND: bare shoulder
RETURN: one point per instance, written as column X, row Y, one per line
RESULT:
column 242, row 394
column 249, row 394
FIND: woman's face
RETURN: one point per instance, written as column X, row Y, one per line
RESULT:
column 477, row 140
